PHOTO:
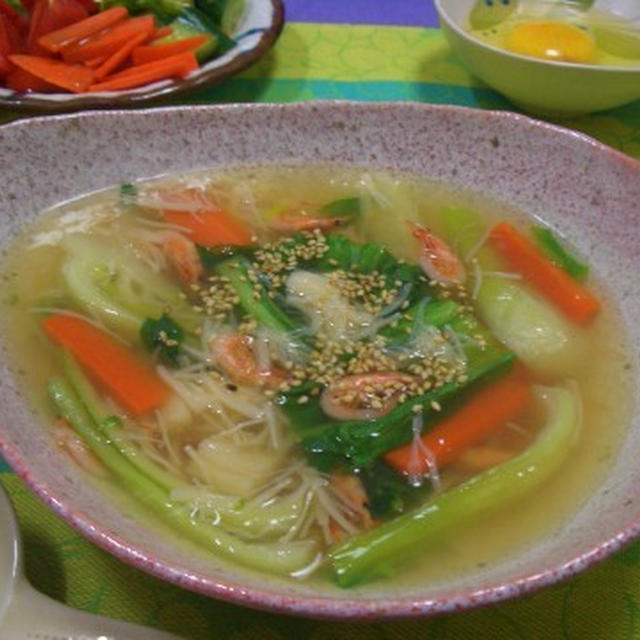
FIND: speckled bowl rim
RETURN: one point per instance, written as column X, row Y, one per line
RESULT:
column 365, row 609
column 443, row 15
column 38, row 102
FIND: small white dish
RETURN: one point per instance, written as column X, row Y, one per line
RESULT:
column 545, row 87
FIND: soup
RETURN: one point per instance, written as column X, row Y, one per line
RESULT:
column 321, row 371
column 557, row 30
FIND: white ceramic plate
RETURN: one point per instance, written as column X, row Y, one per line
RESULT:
column 255, row 33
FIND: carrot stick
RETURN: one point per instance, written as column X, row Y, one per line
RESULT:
column 521, row 254
column 20, row 80
column 136, row 387
column 5, row 67
column 186, row 57
column 178, row 65
column 161, row 32
column 210, row 228
column 488, row 410
column 16, row 18
column 107, row 43
column 153, row 52
column 55, row 41
column 73, row 78
column 94, row 63
column 114, row 61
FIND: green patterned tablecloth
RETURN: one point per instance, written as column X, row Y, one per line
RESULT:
column 317, row 61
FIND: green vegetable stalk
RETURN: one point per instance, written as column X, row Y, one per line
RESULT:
column 262, row 307
column 557, row 253
column 110, row 426
column 522, row 320
column 378, row 552
column 271, row 557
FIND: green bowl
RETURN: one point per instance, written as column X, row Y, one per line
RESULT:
column 538, row 86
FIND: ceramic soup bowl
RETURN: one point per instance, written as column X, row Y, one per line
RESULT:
column 582, row 188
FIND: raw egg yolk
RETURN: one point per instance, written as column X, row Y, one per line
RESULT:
column 552, row 41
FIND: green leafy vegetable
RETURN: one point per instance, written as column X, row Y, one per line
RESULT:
column 388, row 493
column 365, row 258
column 164, row 336
column 425, row 313
column 356, row 444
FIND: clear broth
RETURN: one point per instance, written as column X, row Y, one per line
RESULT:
column 31, row 272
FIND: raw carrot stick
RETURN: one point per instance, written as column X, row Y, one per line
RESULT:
column 55, row 41
column 161, row 32
column 115, row 60
column 107, row 43
column 20, row 80
column 486, row 411
column 135, row 386
column 94, row 63
column 73, row 78
column 15, row 17
column 5, row 67
column 185, row 57
column 522, row 256
column 172, row 67
column 153, row 52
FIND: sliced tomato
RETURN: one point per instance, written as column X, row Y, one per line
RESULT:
column 50, row 15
